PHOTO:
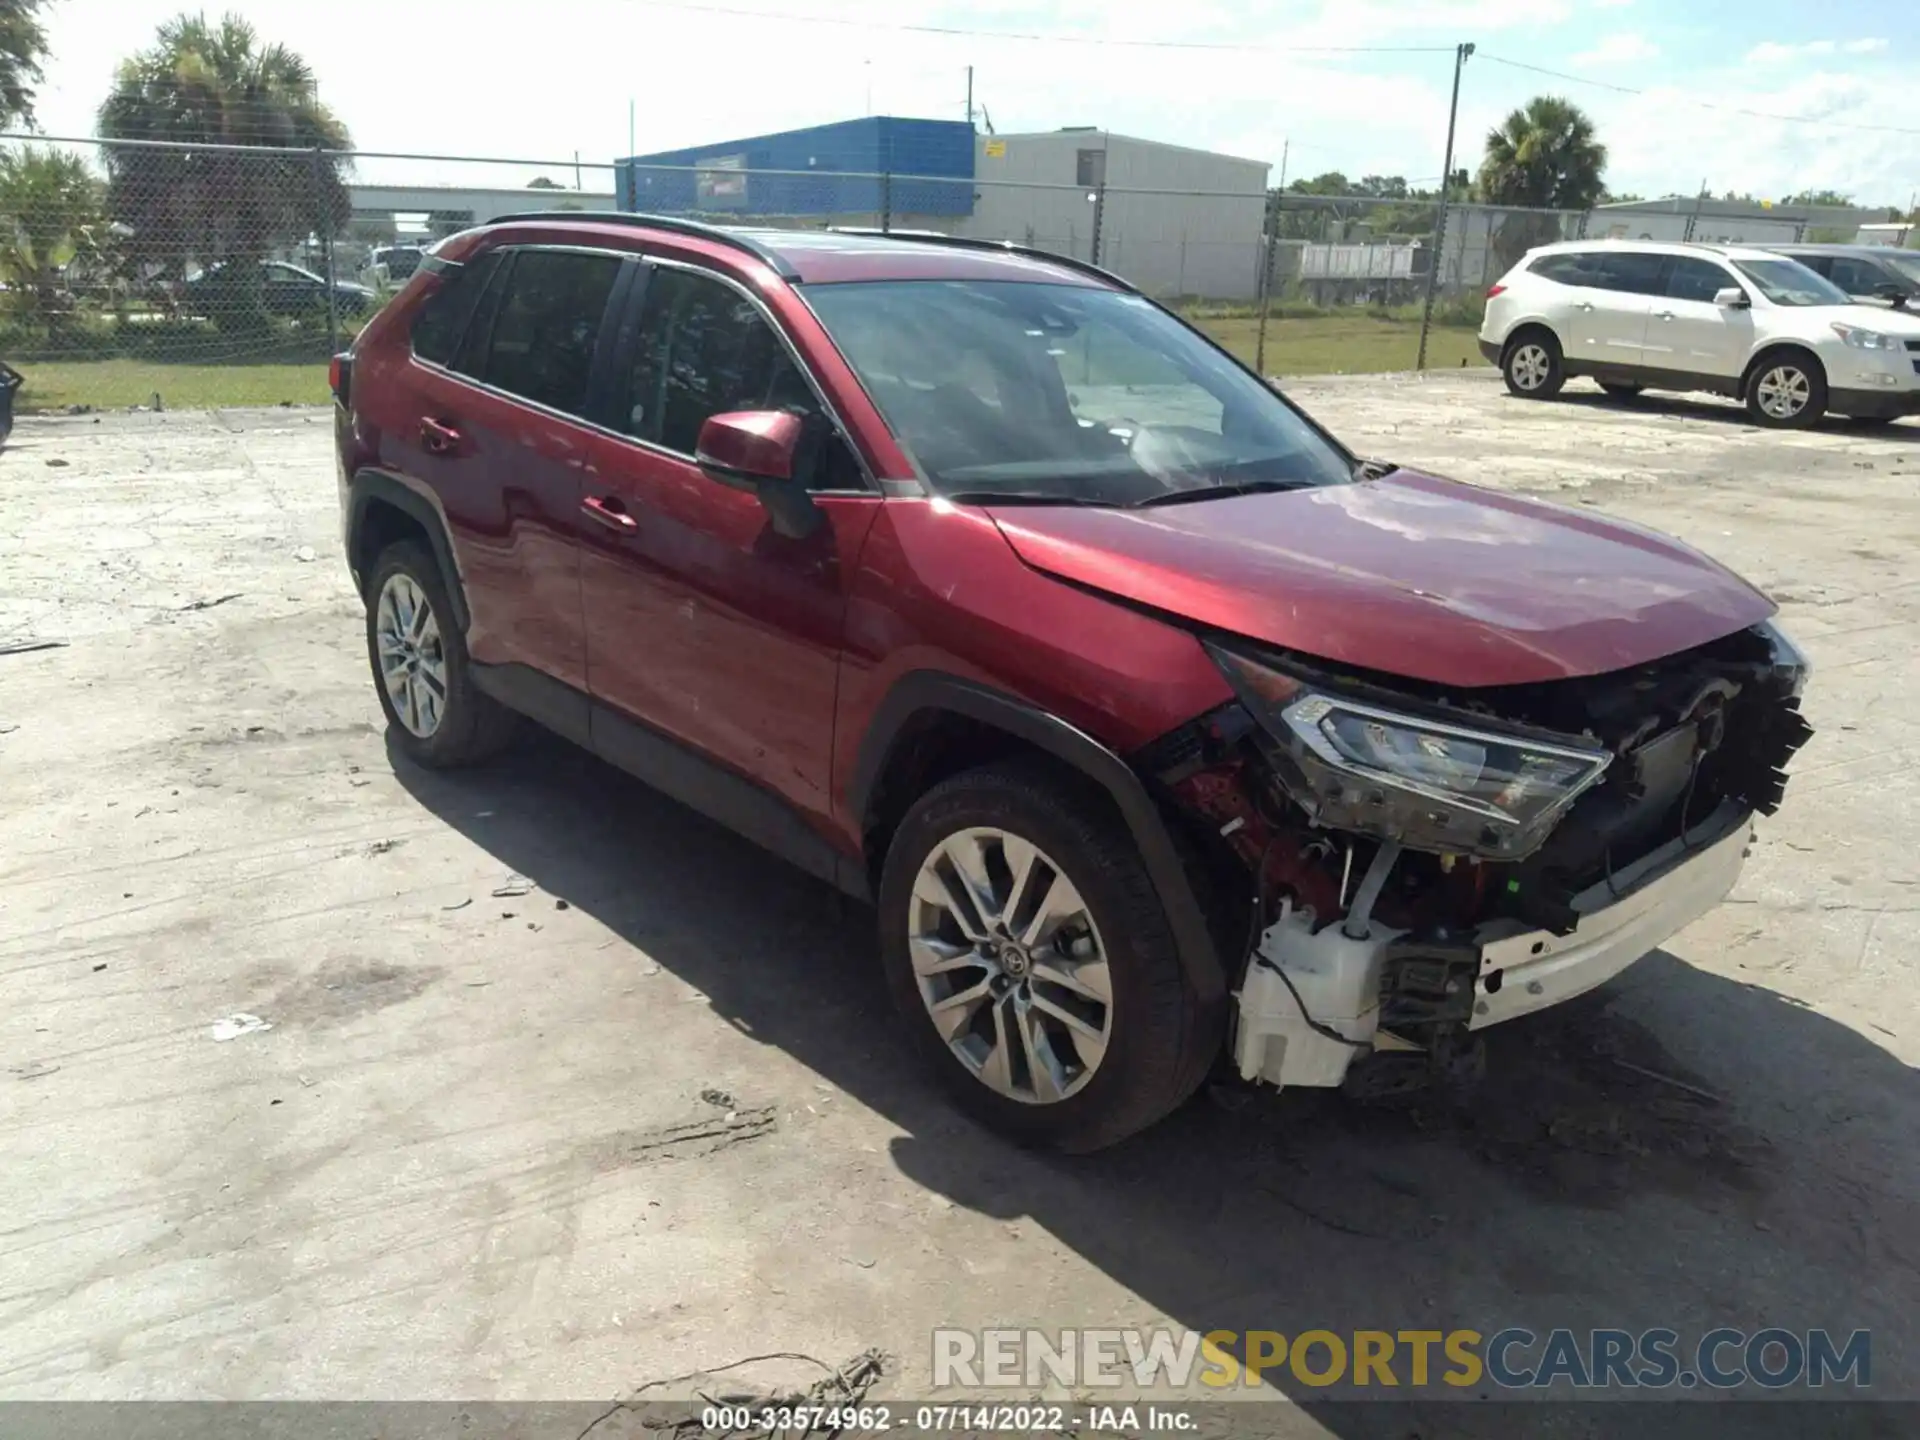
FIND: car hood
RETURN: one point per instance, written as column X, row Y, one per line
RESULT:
column 1409, row 574
column 1885, row 318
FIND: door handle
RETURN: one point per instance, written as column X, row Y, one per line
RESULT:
column 608, row 510
column 1664, row 314
column 1584, row 305
column 437, row 437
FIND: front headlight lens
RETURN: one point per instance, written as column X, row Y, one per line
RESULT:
column 1426, row 783
column 1861, row 339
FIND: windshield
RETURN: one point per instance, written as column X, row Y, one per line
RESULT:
column 1042, row 392
column 1906, row 266
column 1788, row 282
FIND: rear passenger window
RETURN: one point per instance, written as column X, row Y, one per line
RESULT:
column 1697, row 280
column 543, row 336
column 1633, row 272
column 444, row 314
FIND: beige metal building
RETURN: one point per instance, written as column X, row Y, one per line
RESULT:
column 1173, row 221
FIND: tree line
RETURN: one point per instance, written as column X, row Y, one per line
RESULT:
column 165, row 214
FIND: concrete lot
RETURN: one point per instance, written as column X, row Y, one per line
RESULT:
column 472, row 1155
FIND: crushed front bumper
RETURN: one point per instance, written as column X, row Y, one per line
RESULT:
column 1311, row 1001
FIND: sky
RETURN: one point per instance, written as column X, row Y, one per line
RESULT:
column 547, row 80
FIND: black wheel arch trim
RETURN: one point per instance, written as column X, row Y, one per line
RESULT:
column 369, row 485
column 922, row 691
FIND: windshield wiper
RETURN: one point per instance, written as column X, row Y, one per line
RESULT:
column 1219, row 492
column 1021, row 497
column 1373, row 469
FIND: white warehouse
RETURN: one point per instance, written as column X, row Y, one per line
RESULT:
column 1173, row 221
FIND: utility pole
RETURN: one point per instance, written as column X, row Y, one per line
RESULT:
column 969, row 94
column 1460, row 55
column 1267, row 259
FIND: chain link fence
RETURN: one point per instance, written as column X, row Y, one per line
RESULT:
column 226, row 274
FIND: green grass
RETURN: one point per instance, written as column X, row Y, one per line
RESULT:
column 1355, row 344
column 1358, row 344
column 53, row 385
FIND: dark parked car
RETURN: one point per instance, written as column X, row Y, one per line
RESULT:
column 1159, row 728
column 1870, row 274
column 286, row 290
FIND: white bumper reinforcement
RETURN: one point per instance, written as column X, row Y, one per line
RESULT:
column 1282, row 1037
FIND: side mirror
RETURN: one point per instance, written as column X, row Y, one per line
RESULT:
column 1732, row 298
column 756, row 451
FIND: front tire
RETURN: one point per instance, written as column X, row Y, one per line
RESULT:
column 1787, row 391
column 421, row 672
column 1533, row 365
column 1030, row 958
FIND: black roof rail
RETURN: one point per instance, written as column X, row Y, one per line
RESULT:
column 780, row 264
column 1004, row 247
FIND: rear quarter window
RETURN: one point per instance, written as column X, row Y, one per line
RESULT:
column 443, row 315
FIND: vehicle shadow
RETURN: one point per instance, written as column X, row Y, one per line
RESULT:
column 1594, row 1181
column 1699, row 405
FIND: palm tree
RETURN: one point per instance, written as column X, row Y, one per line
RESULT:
column 52, row 227
column 1543, row 156
column 219, row 85
column 22, row 43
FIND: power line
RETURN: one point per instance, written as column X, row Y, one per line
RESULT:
column 1702, row 104
column 970, row 33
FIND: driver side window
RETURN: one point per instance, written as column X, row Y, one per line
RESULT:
column 704, row 349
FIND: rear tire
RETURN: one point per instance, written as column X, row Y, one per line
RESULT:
column 1063, row 881
column 436, row 716
column 1787, row 390
column 1532, row 365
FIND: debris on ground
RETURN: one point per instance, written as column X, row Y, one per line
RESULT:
column 381, row 847
column 718, row 1098
column 208, row 603
column 686, row 1139
column 59, row 464
column 305, row 554
column 814, row 1407
column 514, row 885
column 232, row 1027
column 21, row 647
column 461, row 905
column 33, row 1070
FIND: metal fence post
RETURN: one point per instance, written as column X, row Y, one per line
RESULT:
column 1266, row 292
column 886, row 202
column 325, row 227
column 1460, row 54
column 1099, row 217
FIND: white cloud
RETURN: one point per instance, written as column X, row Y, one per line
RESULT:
column 1771, row 52
column 1624, row 48
column 1611, row 4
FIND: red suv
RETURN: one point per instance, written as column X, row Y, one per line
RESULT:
column 1162, row 731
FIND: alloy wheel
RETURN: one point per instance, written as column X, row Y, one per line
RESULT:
column 413, row 661
column 1530, row 366
column 1783, row 391
column 1010, row 965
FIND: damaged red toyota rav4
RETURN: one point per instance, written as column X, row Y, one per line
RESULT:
column 1162, row 732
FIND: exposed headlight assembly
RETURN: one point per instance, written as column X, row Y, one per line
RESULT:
column 1426, row 783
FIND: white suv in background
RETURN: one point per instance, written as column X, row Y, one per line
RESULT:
column 1729, row 319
